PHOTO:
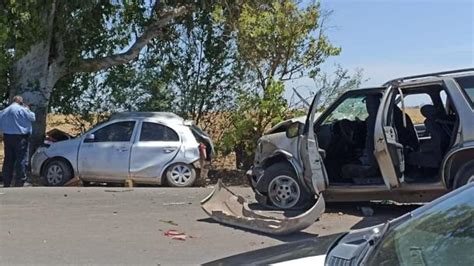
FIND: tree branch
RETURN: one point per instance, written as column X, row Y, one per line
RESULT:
column 152, row 31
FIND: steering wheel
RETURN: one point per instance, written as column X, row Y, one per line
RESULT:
column 346, row 130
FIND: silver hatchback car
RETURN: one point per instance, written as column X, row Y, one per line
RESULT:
column 152, row 148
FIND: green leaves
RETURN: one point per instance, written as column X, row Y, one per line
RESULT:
column 280, row 40
column 276, row 41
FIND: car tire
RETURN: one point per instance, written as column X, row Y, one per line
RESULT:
column 180, row 175
column 283, row 190
column 464, row 175
column 57, row 172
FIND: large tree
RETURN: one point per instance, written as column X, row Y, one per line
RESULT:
column 277, row 41
column 46, row 40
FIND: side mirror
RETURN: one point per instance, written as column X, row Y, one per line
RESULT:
column 89, row 138
column 294, row 130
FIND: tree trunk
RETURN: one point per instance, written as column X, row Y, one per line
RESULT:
column 35, row 74
column 34, row 77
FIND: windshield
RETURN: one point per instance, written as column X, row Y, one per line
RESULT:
column 353, row 109
column 438, row 236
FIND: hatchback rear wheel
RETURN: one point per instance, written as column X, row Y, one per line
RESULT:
column 181, row 175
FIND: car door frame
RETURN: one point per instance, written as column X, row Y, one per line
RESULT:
column 314, row 171
column 95, row 129
column 386, row 141
column 159, row 174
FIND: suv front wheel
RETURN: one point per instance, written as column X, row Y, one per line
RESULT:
column 283, row 189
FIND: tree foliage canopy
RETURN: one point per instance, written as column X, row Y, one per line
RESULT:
column 186, row 56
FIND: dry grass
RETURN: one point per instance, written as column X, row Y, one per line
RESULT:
column 415, row 115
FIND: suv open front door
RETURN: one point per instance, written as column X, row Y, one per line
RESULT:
column 314, row 172
column 226, row 207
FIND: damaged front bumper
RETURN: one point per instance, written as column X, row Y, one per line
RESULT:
column 225, row 207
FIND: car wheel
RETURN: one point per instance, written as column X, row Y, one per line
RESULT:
column 180, row 175
column 464, row 175
column 283, row 189
column 57, row 173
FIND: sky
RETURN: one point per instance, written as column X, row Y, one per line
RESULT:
column 394, row 38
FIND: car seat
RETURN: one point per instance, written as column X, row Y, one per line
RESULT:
column 407, row 136
column 432, row 151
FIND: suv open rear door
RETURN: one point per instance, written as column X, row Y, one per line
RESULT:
column 226, row 207
column 388, row 151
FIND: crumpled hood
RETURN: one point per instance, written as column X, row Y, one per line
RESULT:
column 62, row 146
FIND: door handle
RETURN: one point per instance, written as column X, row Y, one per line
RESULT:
column 123, row 149
column 169, row 150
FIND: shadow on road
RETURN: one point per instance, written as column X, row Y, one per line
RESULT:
column 381, row 212
column 283, row 238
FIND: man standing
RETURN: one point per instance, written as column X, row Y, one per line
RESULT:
column 16, row 125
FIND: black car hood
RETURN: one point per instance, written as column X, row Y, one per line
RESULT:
column 294, row 250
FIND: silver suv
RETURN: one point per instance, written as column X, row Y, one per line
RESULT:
column 410, row 140
column 154, row 148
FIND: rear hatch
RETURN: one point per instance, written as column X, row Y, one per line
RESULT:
column 202, row 137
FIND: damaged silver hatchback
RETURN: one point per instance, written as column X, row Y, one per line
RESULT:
column 410, row 140
column 151, row 148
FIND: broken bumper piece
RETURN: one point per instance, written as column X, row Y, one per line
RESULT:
column 225, row 207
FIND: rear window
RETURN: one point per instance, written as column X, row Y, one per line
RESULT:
column 467, row 84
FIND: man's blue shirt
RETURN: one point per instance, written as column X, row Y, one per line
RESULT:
column 16, row 119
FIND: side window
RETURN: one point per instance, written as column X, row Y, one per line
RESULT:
column 157, row 132
column 352, row 108
column 467, row 85
column 116, row 132
column 413, row 104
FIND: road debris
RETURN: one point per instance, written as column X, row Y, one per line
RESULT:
column 176, row 203
column 116, row 190
column 225, row 207
column 129, row 183
column 168, row 222
column 175, row 235
column 74, row 182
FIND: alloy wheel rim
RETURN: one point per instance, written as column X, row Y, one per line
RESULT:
column 180, row 174
column 54, row 174
column 284, row 192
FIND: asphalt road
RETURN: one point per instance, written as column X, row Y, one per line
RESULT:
column 108, row 225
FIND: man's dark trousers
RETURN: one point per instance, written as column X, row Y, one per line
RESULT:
column 16, row 159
